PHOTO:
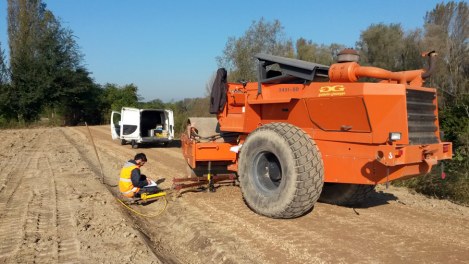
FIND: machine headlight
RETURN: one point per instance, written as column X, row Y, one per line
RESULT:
column 393, row 136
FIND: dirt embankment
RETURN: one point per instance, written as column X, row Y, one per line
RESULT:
column 55, row 209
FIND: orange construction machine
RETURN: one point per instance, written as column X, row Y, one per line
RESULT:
column 306, row 131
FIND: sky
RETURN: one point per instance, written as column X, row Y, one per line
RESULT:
column 168, row 49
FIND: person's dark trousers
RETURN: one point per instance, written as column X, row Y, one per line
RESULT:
column 148, row 190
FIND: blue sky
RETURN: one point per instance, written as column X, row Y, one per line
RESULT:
column 168, row 48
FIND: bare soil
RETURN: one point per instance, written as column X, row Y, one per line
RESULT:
column 54, row 209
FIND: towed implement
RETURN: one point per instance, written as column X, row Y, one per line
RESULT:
column 307, row 131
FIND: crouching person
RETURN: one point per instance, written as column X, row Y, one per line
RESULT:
column 132, row 183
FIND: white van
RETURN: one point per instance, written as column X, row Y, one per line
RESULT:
column 141, row 126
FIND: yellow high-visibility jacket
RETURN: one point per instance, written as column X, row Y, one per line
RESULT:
column 125, row 182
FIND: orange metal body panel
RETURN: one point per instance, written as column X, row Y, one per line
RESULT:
column 346, row 162
column 312, row 106
column 206, row 151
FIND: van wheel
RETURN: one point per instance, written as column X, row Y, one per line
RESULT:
column 134, row 144
column 345, row 194
column 123, row 142
column 281, row 171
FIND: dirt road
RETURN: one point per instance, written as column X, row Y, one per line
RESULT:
column 54, row 209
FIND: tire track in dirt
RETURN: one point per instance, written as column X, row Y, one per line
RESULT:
column 43, row 228
column 277, row 241
column 9, row 140
column 83, row 149
column 79, row 138
column 68, row 244
column 39, row 244
column 13, row 218
column 10, row 176
column 53, row 210
column 197, row 237
column 218, row 227
column 426, row 235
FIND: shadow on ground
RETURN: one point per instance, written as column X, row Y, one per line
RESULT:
column 376, row 199
column 174, row 144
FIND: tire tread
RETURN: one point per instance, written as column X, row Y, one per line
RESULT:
column 309, row 167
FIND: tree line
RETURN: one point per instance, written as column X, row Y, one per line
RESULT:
column 46, row 77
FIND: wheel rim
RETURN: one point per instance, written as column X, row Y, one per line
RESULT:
column 267, row 171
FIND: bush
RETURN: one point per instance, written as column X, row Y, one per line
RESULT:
column 454, row 121
column 454, row 187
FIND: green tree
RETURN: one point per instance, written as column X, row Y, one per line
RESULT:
column 5, row 111
column 153, row 104
column 327, row 54
column 306, row 50
column 262, row 36
column 4, row 76
column 181, row 113
column 45, row 63
column 412, row 48
column 381, row 46
column 447, row 32
column 80, row 100
column 189, row 107
column 114, row 97
column 389, row 47
column 28, row 83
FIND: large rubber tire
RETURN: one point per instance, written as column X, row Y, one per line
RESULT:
column 134, row 144
column 280, row 171
column 345, row 194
